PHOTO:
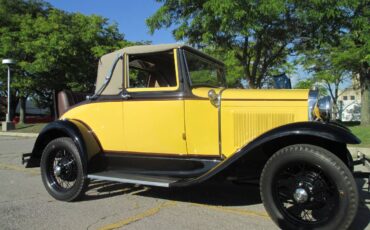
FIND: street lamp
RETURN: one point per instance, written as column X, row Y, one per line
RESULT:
column 8, row 124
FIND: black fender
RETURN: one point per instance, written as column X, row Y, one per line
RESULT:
column 56, row 129
column 324, row 131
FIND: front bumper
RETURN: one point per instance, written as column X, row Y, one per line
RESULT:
column 26, row 158
column 365, row 163
column 30, row 160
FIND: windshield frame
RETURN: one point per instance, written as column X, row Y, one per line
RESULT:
column 219, row 65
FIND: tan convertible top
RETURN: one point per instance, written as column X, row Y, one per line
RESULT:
column 105, row 63
column 150, row 48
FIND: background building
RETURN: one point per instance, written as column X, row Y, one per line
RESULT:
column 349, row 102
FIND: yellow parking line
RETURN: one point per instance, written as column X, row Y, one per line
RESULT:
column 19, row 169
column 140, row 216
column 138, row 191
column 238, row 211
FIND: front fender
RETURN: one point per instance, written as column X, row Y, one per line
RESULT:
column 328, row 131
column 324, row 131
column 56, row 129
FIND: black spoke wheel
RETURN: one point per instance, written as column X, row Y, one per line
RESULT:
column 303, row 192
column 308, row 187
column 62, row 171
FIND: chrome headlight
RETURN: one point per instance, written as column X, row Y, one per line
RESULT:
column 319, row 109
column 325, row 106
column 313, row 96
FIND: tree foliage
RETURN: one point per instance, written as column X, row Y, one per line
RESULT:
column 234, row 71
column 331, row 62
column 310, row 83
column 262, row 34
column 353, row 54
column 55, row 50
column 319, row 62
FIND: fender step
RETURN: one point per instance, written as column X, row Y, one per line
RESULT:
column 124, row 177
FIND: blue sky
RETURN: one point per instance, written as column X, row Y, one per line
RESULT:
column 129, row 15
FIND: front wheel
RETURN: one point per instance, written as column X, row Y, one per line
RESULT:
column 62, row 171
column 307, row 187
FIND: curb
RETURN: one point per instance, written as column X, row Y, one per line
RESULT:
column 15, row 134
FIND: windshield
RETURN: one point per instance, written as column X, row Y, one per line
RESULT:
column 203, row 72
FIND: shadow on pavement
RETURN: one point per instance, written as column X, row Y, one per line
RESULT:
column 362, row 218
column 211, row 193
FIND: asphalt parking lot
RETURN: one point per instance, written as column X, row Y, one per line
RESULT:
column 25, row 204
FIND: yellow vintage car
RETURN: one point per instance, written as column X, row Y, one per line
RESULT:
column 162, row 115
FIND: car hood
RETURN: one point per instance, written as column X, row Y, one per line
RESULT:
column 256, row 94
column 265, row 94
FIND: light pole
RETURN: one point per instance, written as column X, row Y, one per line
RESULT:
column 8, row 124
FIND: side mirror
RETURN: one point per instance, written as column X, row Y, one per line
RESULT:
column 214, row 98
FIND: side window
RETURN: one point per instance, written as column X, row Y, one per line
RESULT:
column 203, row 72
column 156, row 70
column 139, row 78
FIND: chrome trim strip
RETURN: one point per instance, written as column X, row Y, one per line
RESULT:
column 129, row 181
column 219, row 122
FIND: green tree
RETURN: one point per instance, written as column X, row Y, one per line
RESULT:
column 353, row 54
column 262, row 34
column 234, row 71
column 305, row 84
column 333, row 61
column 11, row 13
column 311, row 83
column 320, row 63
column 55, row 50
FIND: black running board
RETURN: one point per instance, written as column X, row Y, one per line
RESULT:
column 134, row 177
column 124, row 177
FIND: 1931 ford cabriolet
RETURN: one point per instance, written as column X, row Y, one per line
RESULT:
column 161, row 115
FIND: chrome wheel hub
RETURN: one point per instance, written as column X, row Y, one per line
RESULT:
column 300, row 195
column 57, row 170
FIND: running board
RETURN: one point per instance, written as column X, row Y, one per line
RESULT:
column 123, row 177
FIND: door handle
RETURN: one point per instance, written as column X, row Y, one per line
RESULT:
column 125, row 96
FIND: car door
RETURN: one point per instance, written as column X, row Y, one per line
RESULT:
column 201, row 114
column 153, row 116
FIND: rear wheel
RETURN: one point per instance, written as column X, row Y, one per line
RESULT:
column 62, row 171
column 308, row 187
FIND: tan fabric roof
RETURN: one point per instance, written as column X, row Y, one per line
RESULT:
column 106, row 61
column 150, row 48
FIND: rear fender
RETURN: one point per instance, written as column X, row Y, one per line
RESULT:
column 76, row 130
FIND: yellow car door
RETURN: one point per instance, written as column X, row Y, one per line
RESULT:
column 153, row 116
column 202, row 108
